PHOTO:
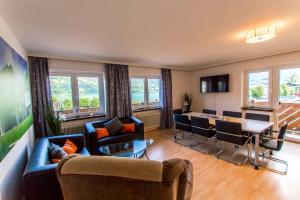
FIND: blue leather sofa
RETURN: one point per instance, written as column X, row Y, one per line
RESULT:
column 39, row 179
column 93, row 143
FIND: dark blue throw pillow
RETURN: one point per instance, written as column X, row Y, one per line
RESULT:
column 113, row 126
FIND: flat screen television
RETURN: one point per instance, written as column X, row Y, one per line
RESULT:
column 214, row 84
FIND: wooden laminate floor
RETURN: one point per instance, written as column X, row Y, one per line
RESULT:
column 218, row 179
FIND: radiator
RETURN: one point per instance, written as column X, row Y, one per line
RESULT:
column 73, row 129
column 150, row 119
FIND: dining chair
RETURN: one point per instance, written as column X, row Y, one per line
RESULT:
column 181, row 123
column 207, row 111
column 178, row 111
column 269, row 144
column 232, row 114
column 231, row 132
column 200, row 126
column 260, row 117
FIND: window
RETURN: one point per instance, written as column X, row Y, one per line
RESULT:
column 259, row 88
column 76, row 94
column 61, row 88
column 88, row 90
column 145, row 92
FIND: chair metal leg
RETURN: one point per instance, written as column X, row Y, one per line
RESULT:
column 267, row 155
column 220, row 148
column 205, row 142
column 236, row 148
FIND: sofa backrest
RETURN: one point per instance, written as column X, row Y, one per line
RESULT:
column 116, row 178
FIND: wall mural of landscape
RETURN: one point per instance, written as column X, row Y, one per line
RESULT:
column 15, row 98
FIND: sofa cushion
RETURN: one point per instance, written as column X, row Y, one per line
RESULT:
column 102, row 132
column 113, row 126
column 70, row 147
column 57, row 153
column 129, row 128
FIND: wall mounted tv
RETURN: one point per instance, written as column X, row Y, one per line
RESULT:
column 214, row 84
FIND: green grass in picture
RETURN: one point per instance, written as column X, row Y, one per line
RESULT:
column 14, row 135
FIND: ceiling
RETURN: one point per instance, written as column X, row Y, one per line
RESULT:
column 184, row 34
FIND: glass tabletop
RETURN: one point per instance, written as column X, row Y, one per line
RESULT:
column 134, row 148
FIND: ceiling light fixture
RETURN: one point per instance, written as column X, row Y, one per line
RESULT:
column 261, row 34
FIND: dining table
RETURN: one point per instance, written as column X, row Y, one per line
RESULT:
column 254, row 127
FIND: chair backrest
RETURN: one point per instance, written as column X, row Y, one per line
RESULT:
column 200, row 126
column 182, row 122
column 232, row 114
column 81, row 178
column 260, row 117
column 178, row 111
column 230, row 132
column 207, row 111
column 281, row 136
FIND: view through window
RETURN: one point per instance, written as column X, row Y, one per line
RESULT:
column 258, row 88
column 88, row 89
column 61, row 88
column 145, row 92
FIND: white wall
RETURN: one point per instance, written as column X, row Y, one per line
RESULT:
column 12, row 166
column 235, row 98
column 56, row 65
column 181, row 83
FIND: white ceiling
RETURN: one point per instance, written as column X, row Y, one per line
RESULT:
column 177, row 33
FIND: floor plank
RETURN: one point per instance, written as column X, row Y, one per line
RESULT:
column 217, row 179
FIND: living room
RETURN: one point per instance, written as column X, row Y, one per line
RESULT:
column 202, row 96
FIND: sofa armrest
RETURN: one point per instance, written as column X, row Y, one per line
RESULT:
column 139, row 126
column 179, row 169
column 60, row 140
column 91, row 136
column 185, row 187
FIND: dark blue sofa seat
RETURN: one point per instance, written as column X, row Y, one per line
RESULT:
column 94, row 143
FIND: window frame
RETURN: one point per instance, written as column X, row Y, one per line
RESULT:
column 146, row 92
column 75, row 91
column 270, row 86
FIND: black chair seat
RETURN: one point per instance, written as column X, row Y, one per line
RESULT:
column 259, row 117
column 200, row 126
column 232, row 139
column 208, row 133
column 269, row 144
column 232, row 114
column 211, row 112
column 182, row 122
column 178, row 111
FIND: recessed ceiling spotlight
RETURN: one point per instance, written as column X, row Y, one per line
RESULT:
column 261, row 34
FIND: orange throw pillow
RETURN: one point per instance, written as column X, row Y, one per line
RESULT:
column 102, row 132
column 69, row 147
column 128, row 128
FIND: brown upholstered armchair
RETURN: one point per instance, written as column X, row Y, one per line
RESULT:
column 112, row 178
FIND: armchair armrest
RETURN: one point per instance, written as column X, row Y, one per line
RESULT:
column 182, row 170
column 91, row 136
column 272, row 138
column 139, row 126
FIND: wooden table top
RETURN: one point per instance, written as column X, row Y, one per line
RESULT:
column 249, row 125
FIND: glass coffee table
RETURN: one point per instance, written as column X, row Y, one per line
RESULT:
column 133, row 149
